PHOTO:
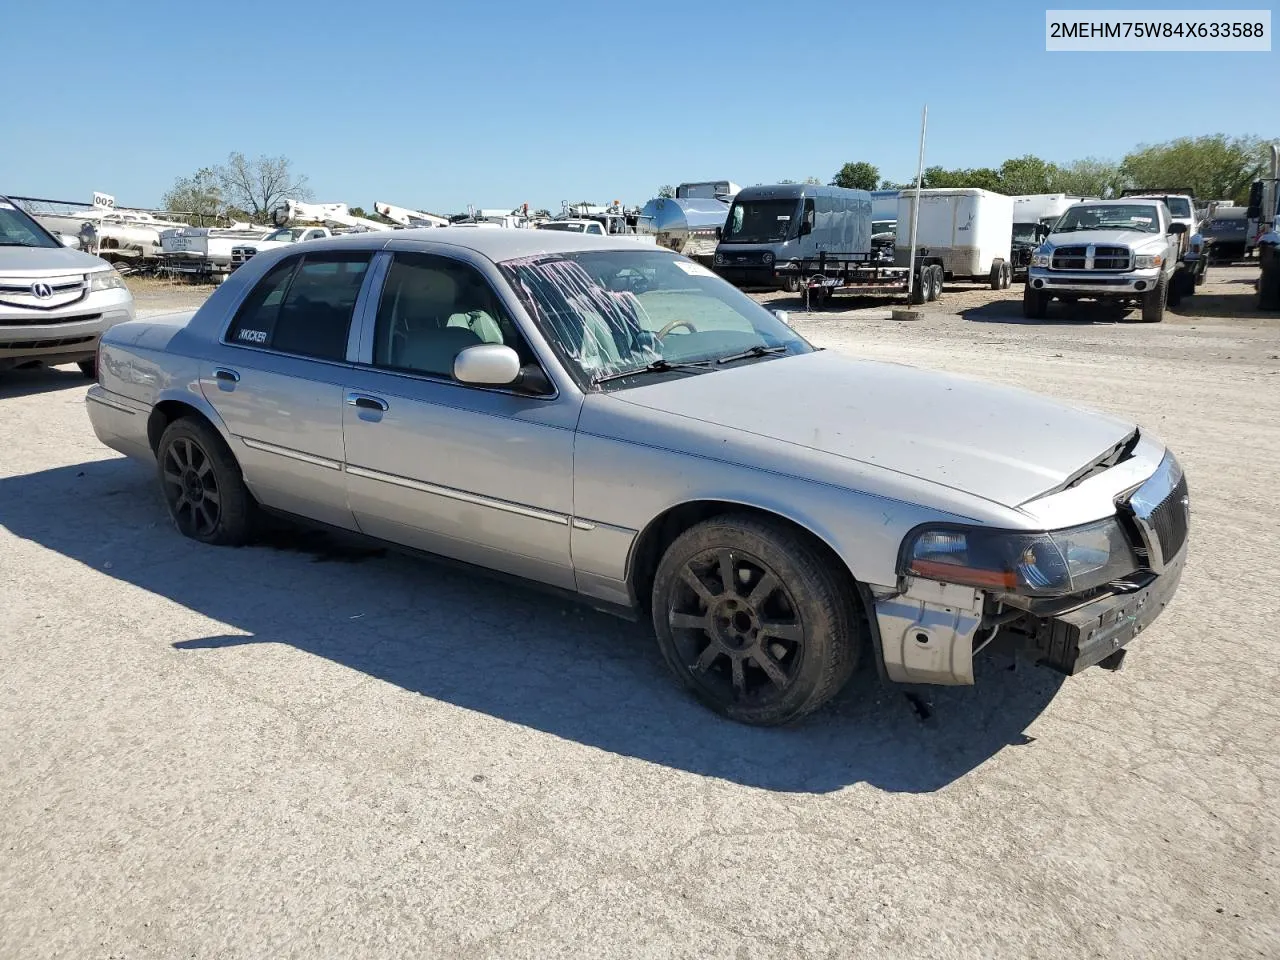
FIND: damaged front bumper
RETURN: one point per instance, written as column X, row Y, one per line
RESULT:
column 931, row 632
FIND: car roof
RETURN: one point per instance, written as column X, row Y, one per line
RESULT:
column 502, row 243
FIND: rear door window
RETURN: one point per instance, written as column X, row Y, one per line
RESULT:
column 303, row 305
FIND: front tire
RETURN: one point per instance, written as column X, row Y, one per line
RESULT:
column 1153, row 303
column 202, row 484
column 1035, row 303
column 751, row 618
column 89, row 368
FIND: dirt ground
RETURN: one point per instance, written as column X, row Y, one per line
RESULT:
column 294, row 751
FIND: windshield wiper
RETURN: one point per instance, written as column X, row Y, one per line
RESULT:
column 16, row 243
column 658, row 366
column 759, row 350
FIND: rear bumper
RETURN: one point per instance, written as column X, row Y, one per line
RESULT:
column 119, row 422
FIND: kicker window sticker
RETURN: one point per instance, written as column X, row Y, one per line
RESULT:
column 252, row 336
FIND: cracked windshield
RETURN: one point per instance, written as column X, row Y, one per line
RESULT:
column 613, row 313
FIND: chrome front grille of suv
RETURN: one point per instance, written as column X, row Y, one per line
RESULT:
column 42, row 293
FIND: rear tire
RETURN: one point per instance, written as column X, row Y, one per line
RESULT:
column 1035, row 304
column 939, row 278
column 997, row 275
column 1006, row 275
column 202, row 484
column 1153, row 303
column 919, row 287
column 752, row 619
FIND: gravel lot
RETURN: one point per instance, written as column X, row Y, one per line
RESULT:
column 301, row 750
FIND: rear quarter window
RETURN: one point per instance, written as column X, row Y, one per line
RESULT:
column 303, row 306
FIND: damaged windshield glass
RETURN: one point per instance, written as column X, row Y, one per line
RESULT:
column 613, row 313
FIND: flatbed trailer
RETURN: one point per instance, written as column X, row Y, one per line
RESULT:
column 863, row 275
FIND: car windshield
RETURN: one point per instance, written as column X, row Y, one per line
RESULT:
column 288, row 234
column 1114, row 216
column 1025, row 232
column 1178, row 206
column 760, row 221
column 19, row 230
column 610, row 312
column 570, row 227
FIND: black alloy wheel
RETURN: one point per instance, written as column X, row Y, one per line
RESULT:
column 191, row 488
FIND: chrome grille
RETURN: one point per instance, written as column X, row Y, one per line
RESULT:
column 1169, row 520
column 1100, row 257
column 1161, row 508
column 42, row 320
column 1111, row 258
column 1068, row 258
column 63, row 291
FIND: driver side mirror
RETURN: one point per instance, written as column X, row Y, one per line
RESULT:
column 1177, row 228
column 719, row 232
column 806, row 228
column 497, row 365
column 783, row 316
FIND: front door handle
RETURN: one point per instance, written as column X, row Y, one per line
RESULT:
column 230, row 376
column 366, row 402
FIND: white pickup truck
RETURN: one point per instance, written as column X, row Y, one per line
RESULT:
column 241, row 253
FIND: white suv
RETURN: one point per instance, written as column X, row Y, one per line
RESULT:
column 55, row 303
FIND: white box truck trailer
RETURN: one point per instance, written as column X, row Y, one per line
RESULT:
column 969, row 230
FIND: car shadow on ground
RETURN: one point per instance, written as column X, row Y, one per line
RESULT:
column 514, row 654
column 1085, row 313
column 32, row 380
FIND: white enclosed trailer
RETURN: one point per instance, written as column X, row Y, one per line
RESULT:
column 969, row 230
column 1043, row 208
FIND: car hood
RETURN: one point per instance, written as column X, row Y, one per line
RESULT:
column 47, row 261
column 1000, row 443
column 1118, row 238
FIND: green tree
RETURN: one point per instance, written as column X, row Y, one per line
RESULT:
column 983, row 178
column 1025, row 175
column 1215, row 167
column 857, row 175
column 198, row 195
column 666, row 191
column 1088, row 177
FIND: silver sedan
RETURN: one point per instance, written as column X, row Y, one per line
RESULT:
column 615, row 421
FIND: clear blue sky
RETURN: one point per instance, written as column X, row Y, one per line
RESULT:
column 438, row 105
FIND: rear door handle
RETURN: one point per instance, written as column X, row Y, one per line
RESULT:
column 366, row 402
column 222, row 373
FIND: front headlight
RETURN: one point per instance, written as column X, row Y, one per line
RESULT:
column 1039, row 259
column 1052, row 564
column 105, row 280
column 1147, row 261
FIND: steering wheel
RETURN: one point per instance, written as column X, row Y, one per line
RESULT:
column 672, row 325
